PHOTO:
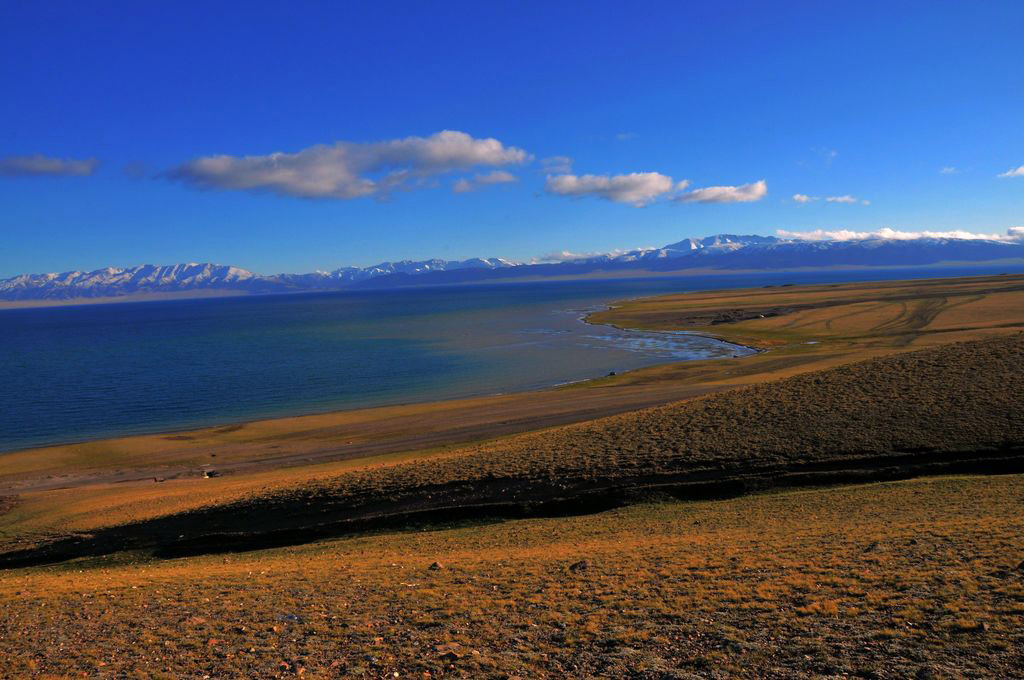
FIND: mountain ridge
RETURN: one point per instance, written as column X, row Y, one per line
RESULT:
column 720, row 251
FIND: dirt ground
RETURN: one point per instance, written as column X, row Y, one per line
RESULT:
column 918, row 579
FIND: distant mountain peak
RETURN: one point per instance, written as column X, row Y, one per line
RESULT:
column 719, row 251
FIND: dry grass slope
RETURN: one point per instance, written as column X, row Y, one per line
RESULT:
column 876, row 315
column 914, row 579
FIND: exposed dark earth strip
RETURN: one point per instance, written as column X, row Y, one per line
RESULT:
column 233, row 529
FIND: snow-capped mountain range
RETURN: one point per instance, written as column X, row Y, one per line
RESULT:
column 722, row 251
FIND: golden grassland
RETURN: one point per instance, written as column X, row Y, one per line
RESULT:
column 812, row 327
column 893, row 580
column 872, row 314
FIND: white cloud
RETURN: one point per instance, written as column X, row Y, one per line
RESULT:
column 1012, row 234
column 1013, row 172
column 744, row 193
column 804, row 198
column 556, row 165
column 38, row 164
column 636, row 188
column 568, row 256
column 641, row 188
column 347, row 170
column 948, row 170
column 561, row 256
column 465, row 185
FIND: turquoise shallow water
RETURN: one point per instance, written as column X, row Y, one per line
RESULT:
column 92, row 371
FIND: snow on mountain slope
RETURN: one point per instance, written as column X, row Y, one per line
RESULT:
column 113, row 281
column 721, row 251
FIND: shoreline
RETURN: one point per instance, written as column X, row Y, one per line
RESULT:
column 412, row 403
column 710, row 336
column 237, row 424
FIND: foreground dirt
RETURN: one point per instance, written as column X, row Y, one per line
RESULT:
column 918, row 579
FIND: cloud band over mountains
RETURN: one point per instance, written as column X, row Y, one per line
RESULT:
column 1013, row 234
column 347, row 170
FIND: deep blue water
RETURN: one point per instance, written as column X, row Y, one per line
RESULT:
column 91, row 371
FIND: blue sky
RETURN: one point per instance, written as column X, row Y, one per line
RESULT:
column 141, row 132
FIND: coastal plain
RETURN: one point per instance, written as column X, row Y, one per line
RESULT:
column 679, row 521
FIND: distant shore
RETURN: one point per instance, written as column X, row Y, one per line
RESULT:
column 611, row 275
column 123, row 299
